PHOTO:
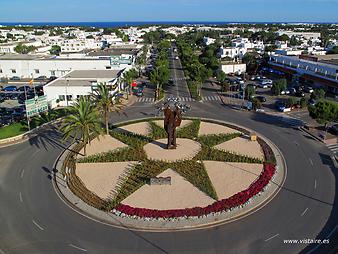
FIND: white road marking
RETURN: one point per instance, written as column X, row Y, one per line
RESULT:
column 20, row 196
column 315, row 186
column 76, row 247
column 271, row 237
column 22, row 172
column 311, row 162
column 304, row 212
column 36, row 224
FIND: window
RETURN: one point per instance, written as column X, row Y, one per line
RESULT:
column 61, row 97
column 69, row 97
column 36, row 71
column 0, row 70
column 13, row 70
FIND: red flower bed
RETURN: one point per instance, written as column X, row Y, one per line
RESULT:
column 224, row 204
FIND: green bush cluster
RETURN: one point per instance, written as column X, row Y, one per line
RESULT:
column 137, row 177
column 190, row 131
column 213, row 154
column 196, row 174
column 214, row 140
column 157, row 132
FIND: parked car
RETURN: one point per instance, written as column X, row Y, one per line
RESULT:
column 280, row 106
column 2, row 98
column 41, row 78
column 300, row 94
column 312, row 102
column 263, row 85
column 334, row 129
column 24, row 88
column 308, row 89
column 292, row 91
column 15, row 78
column 9, row 89
column 286, row 91
column 260, row 98
column 22, row 97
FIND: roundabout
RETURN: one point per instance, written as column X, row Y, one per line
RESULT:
column 212, row 177
column 38, row 221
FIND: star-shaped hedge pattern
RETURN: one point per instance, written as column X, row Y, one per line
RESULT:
column 192, row 170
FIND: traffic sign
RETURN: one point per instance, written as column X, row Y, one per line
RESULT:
column 36, row 106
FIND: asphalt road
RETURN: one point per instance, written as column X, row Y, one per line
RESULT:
column 33, row 219
column 179, row 87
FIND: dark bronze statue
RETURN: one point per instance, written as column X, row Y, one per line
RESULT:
column 172, row 120
column 172, row 110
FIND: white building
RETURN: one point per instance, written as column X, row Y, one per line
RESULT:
column 232, row 67
column 232, row 52
column 76, row 45
column 26, row 66
column 289, row 52
column 207, row 40
column 305, row 35
column 322, row 70
column 66, row 89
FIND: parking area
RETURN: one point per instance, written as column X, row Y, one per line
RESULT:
column 12, row 100
column 262, row 85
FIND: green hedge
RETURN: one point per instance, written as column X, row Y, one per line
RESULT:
column 216, row 139
column 190, row 131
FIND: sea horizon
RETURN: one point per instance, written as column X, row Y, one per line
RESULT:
column 106, row 24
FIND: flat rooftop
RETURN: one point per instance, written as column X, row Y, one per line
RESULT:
column 21, row 57
column 83, row 78
column 92, row 74
column 113, row 52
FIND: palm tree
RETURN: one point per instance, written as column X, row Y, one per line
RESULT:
column 155, row 78
column 82, row 122
column 104, row 102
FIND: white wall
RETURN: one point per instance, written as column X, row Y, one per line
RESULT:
column 234, row 68
column 53, row 93
column 25, row 68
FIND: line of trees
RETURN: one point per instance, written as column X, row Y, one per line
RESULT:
column 193, row 69
column 160, row 74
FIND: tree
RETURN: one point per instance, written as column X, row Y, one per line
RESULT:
column 334, row 50
column 318, row 94
column 104, row 102
column 251, row 61
column 283, row 37
column 221, row 76
column 249, row 92
column 324, row 112
column 55, row 50
column 256, row 104
column 82, row 122
column 278, row 86
column 23, row 49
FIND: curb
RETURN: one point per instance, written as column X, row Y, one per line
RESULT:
column 108, row 218
column 314, row 136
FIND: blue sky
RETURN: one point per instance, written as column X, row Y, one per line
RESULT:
column 168, row 10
